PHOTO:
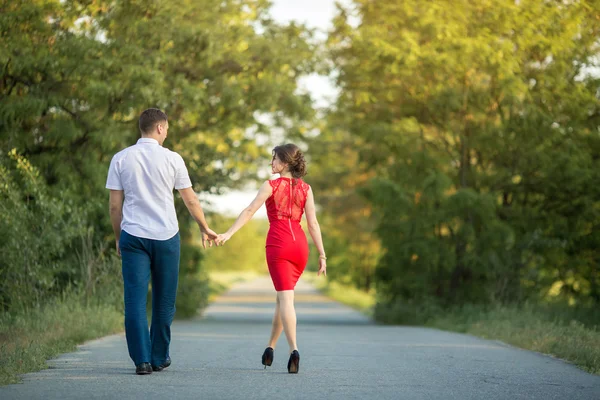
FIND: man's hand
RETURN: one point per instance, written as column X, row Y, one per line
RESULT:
column 209, row 236
column 118, row 248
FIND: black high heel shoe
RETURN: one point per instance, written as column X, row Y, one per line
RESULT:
column 267, row 357
column 294, row 362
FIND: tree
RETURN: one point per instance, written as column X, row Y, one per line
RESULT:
column 76, row 75
column 476, row 119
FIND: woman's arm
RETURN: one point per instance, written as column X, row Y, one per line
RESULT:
column 315, row 231
column 264, row 193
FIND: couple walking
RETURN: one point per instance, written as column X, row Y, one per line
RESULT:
column 141, row 179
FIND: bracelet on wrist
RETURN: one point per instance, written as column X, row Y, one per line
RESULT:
column 323, row 257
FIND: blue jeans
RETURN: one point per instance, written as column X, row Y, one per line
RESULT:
column 143, row 259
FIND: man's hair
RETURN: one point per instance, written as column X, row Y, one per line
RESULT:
column 150, row 118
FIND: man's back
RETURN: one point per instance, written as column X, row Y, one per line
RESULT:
column 148, row 173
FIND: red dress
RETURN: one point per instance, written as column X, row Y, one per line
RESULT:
column 287, row 247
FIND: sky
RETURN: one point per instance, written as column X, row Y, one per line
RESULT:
column 316, row 14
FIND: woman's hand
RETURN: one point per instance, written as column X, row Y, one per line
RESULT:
column 223, row 237
column 322, row 266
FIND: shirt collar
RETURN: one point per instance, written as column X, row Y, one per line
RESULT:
column 147, row 140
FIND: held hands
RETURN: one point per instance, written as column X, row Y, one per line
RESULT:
column 209, row 236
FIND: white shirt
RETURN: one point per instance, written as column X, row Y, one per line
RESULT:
column 148, row 173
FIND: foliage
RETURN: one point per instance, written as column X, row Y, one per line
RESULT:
column 74, row 77
column 335, row 172
column 471, row 129
column 38, row 236
column 192, row 288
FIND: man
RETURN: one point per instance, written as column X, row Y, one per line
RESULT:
column 141, row 180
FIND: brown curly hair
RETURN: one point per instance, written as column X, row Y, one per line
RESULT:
column 293, row 157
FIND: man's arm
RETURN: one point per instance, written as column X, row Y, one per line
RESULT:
column 190, row 199
column 116, row 214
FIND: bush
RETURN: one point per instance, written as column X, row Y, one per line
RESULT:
column 37, row 236
column 192, row 290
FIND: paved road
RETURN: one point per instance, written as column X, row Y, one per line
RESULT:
column 344, row 356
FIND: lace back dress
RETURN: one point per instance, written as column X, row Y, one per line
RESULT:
column 286, row 247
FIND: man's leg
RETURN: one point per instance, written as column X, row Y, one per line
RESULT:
column 165, row 273
column 136, row 275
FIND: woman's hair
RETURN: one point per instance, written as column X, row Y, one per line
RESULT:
column 293, row 157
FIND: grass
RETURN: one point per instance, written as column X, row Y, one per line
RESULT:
column 558, row 332
column 345, row 294
column 31, row 338
column 532, row 328
column 28, row 339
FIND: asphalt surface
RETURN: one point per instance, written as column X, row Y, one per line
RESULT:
column 344, row 355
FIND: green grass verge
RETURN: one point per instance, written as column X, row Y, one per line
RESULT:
column 554, row 331
column 31, row 338
column 345, row 294
column 529, row 327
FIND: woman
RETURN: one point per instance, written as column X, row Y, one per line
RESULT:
column 287, row 198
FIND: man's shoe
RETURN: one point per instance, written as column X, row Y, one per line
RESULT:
column 143, row 369
column 163, row 365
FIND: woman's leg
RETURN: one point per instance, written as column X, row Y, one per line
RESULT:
column 288, row 316
column 277, row 327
